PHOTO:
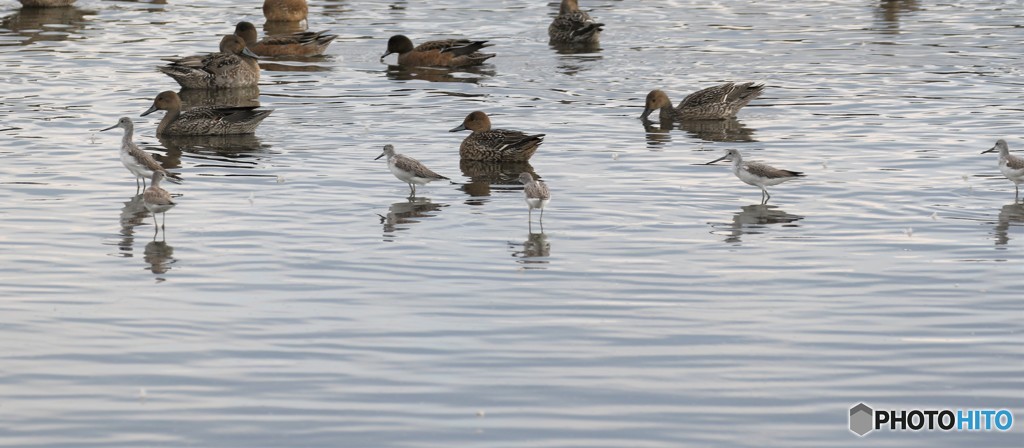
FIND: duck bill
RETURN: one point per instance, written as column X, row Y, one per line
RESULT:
column 384, row 56
column 646, row 113
column 112, row 127
column 461, row 127
column 718, row 159
column 989, row 150
column 246, row 51
column 149, row 111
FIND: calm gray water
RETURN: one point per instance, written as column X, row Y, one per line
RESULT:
column 298, row 298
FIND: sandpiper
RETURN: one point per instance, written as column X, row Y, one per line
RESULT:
column 157, row 200
column 1010, row 165
column 139, row 162
column 408, row 169
column 536, row 194
column 757, row 174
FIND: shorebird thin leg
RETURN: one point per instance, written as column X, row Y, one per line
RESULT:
column 766, row 196
column 163, row 224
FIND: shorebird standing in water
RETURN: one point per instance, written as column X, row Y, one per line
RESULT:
column 139, row 162
column 157, row 200
column 408, row 169
column 1010, row 165
column 537, row 195
column 757, row 174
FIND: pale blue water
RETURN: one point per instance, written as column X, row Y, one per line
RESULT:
column 299, row 299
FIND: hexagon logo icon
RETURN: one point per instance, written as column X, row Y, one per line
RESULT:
column 862, row 419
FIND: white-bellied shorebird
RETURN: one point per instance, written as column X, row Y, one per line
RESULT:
column 536, row 194
column 157, row 200
column 1010, row 165
column 139, row 162
column 408, row 169
column 757, row 174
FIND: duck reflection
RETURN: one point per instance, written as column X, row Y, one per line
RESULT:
column 471, row 75
column 45, row 24
column 1009, row 215
column 888, row 13
column 753, row 219
column 239, row 97
column 576, row 58
column 483, row 176
column 532, row 252
column 728, row 130
column 274, row 28
column 407, row 212
column 658, row 135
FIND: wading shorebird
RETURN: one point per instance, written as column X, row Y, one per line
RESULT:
column 157, row 200
column 1010, row 165
column 408, row 169
column 757, row 174
column 536, row 194
column 140, row 163
column 713, row 103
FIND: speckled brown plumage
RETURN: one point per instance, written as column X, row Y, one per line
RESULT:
column 573, row 26
column 234, row 66
column 204, row 120
column 495, row 145
column 438, row 53
column 306, row 43
column 713, row 103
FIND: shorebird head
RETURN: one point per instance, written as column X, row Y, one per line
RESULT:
column 525, row 178
column 657, row 99
column 1000, row 146
column 233, row 44
column 398, row 44
column 124, row 123
column 388, row 151
column 476, row 122
column 166, row 100
column 732, row 155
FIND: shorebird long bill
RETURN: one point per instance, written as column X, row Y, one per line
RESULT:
column 994, row 148
column 381, row 155
column 112, row 127
column 718, row 159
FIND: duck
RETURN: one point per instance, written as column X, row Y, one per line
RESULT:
column 138, row 162
column 234, row 66
column 285, row 10
column 408, row 169
column 757, row 174
column 204, row 120
column 46, row 3
column 438, row 53
column 573, row 26
column 1010, row 165
column 713, row 103
column 495, row 145
column 306, row 43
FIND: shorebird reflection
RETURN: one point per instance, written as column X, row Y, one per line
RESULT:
column 754, row 220
column 1009, row 216
column 400, row 214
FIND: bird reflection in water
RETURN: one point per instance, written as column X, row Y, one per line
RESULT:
column 576, row 58
column 1010, row 215
column 407, row 212
column 888, row 14
column 531, row 253
column 728, row 130
column 753, row 220
column 485, row 176
column 46, row 24
column 471, row 75
column 157, row 254
column 216, row 151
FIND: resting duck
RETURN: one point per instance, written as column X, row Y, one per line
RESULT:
column 204, row 120
column 438, row 53
column 234, row 66
column 495, row 145
column 306, row 43
column 713, row 103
